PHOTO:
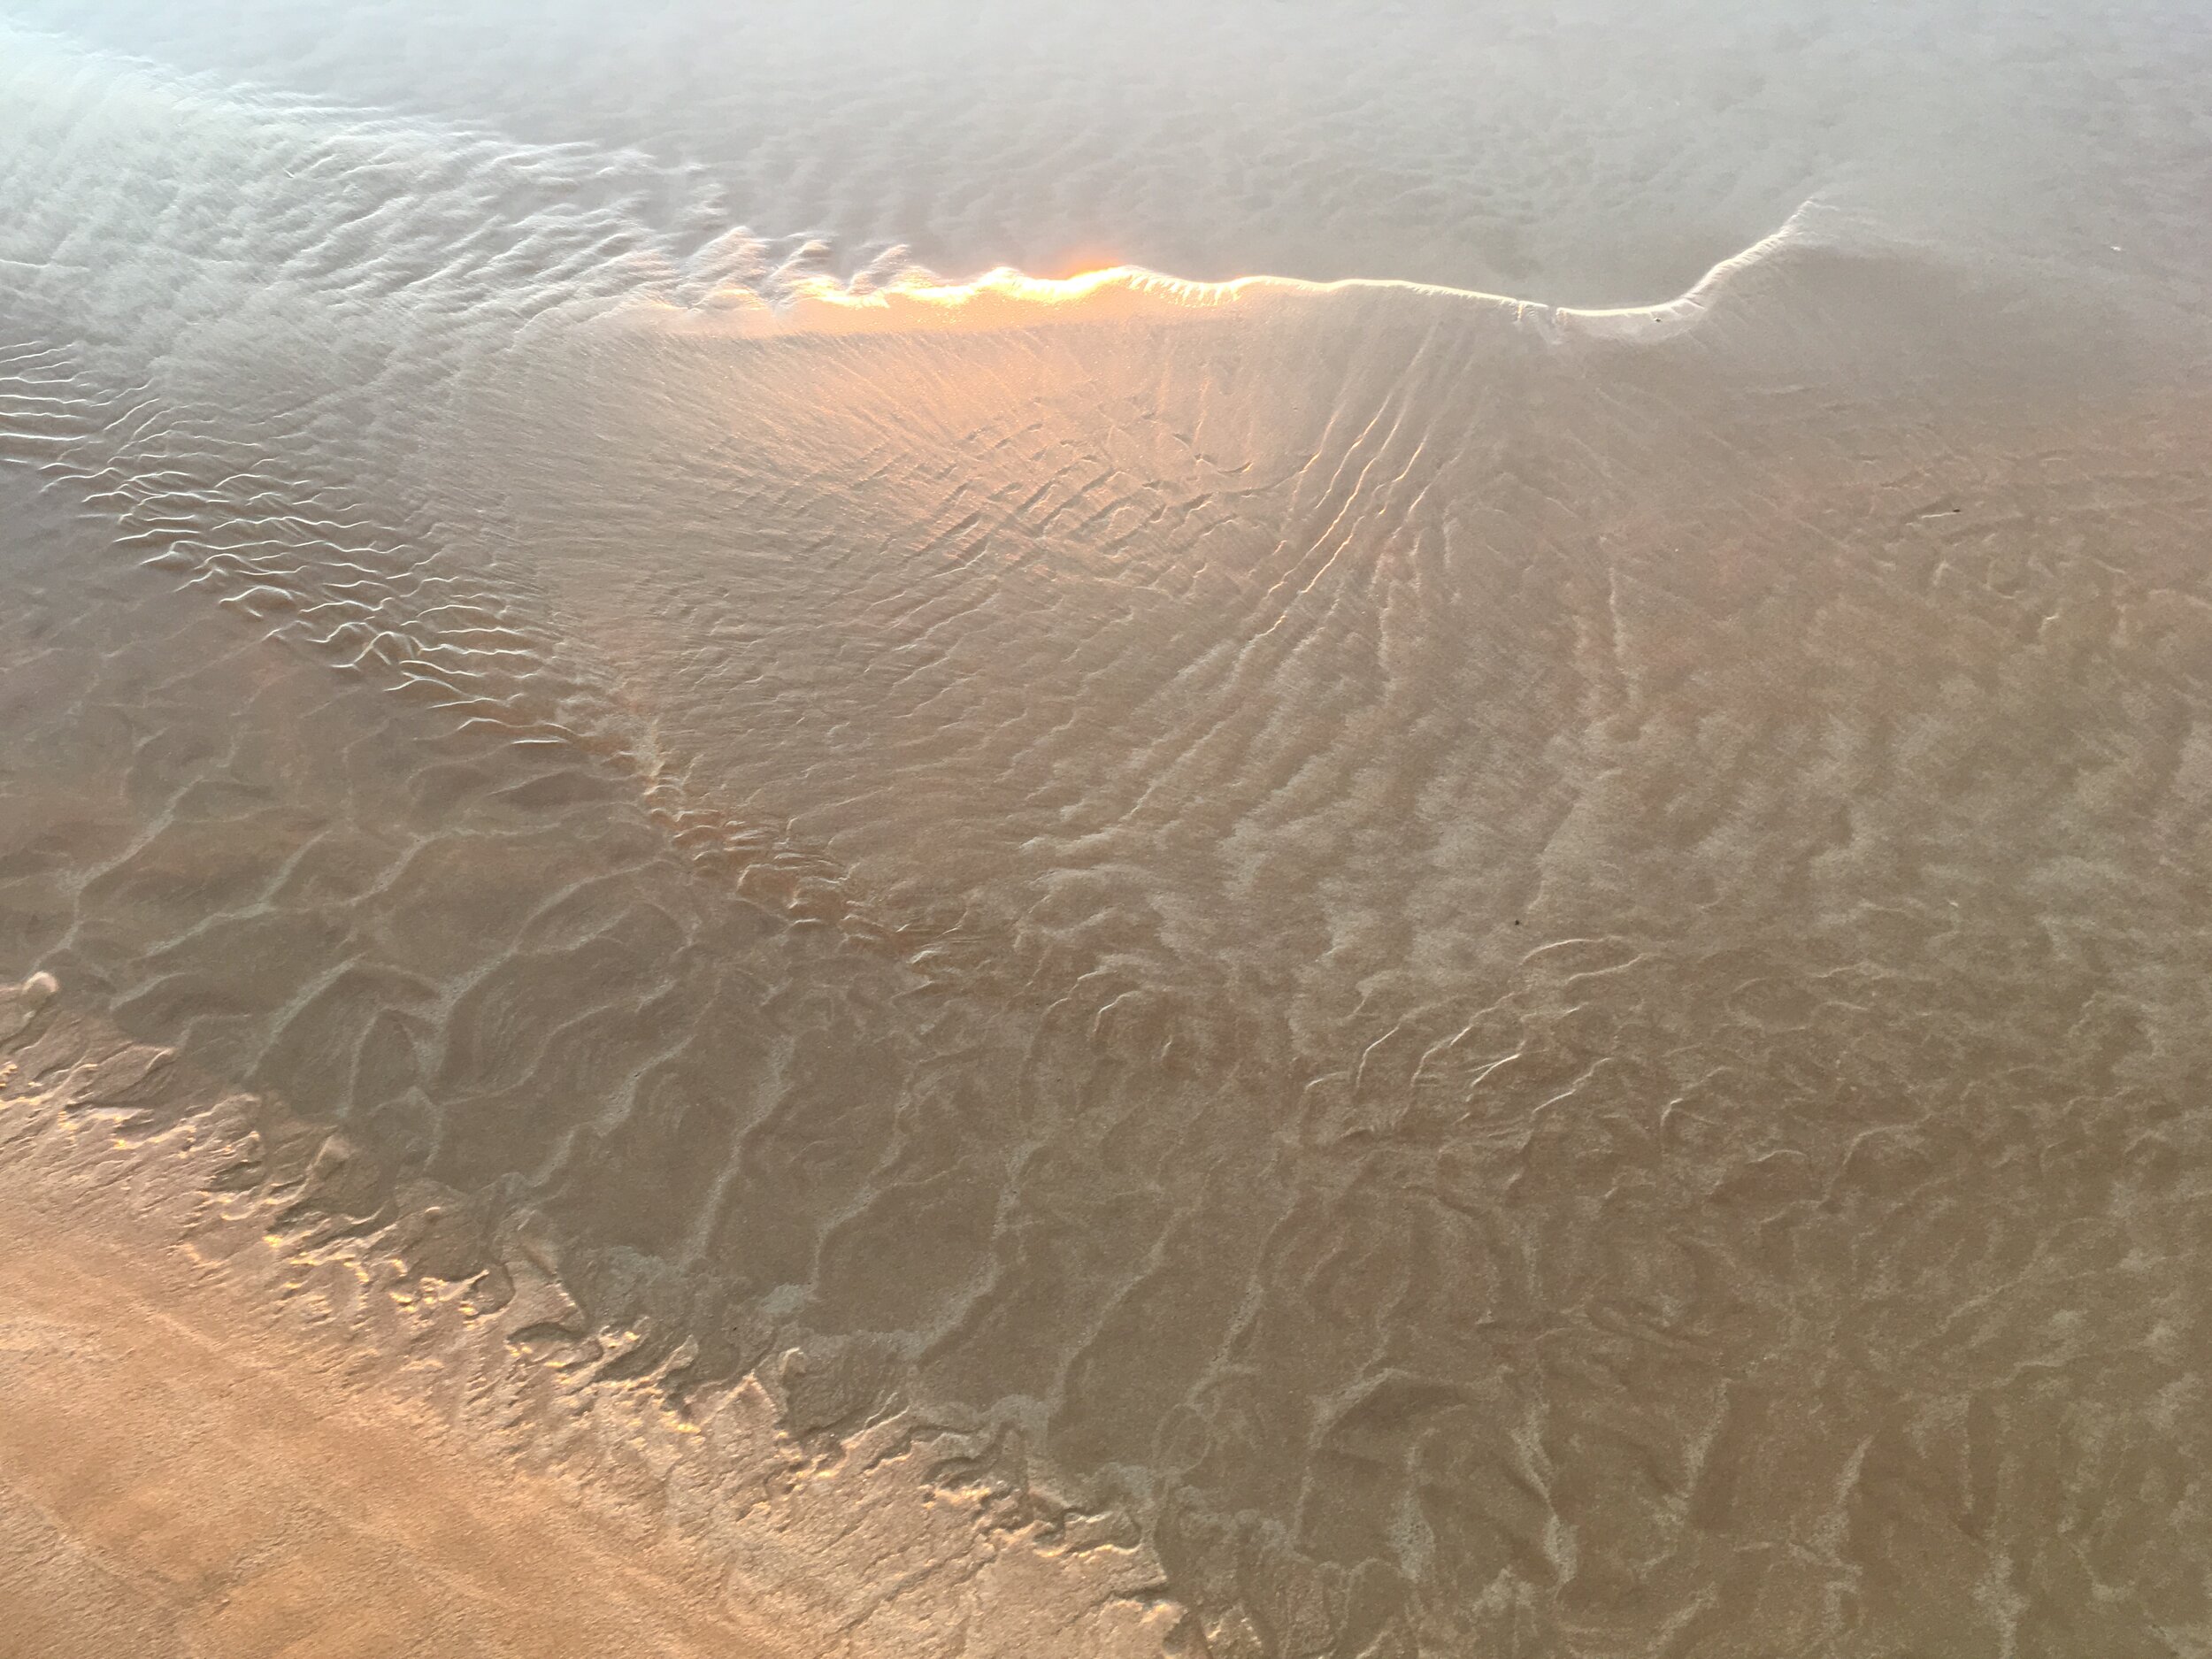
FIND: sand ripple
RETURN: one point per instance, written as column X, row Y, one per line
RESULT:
column 1350, row 971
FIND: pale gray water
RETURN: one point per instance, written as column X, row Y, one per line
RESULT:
column 1457, row 979
column 1587, row 153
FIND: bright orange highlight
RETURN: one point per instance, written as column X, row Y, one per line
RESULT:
column 1009, row 298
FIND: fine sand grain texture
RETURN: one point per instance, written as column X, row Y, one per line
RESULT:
column 173, row 1482
column 1472, row 926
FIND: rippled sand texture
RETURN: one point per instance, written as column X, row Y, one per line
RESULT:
column 1276, row 972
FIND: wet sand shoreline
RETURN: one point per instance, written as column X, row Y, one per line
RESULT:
column 176, row 1479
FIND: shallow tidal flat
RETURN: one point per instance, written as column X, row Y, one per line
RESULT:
column 703, row 964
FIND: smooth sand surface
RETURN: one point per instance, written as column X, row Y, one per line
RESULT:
column 176, row 1481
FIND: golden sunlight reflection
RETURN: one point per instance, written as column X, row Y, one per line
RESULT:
column 1006, row 297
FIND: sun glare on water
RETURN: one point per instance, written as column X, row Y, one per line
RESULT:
column 1004, row 297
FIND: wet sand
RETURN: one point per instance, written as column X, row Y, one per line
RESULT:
column 702, row 954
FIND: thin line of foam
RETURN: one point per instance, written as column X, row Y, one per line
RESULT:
column 920, row 301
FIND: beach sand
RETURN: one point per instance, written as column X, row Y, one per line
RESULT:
column 178, row 1479
column 1437, row 891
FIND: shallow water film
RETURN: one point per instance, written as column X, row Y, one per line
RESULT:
column 1256, row 832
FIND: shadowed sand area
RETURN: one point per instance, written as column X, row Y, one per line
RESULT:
column 711, row 951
